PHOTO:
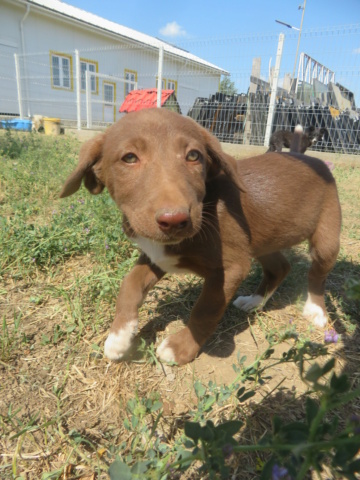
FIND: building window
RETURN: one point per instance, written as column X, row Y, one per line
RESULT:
column 109, row 98
column 89, row 66
column 163, row 83
column 61, row 71
column 172, row 85
column 130, row 76
column 109, row 93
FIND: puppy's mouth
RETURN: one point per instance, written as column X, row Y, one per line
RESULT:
column 168, row 241
column 162, row 231
column 168, row 238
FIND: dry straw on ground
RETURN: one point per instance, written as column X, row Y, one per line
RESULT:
column 63, row 405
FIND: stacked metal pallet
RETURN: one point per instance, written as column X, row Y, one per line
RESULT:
column 242, row 118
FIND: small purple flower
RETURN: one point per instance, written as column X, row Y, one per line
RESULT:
column 355, row 420
column 331, row 336
column 33, row 260
column 291, row 321
column 330, row 165
column 227, row 450
column 87, row 230
column 81, row 201
column 71, row 206
column 278, row 472
column 169, row 468
column 106, row 246
column 54, row 212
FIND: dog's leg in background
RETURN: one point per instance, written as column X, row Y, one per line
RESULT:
column 275, row 268
column 132, row 293
column 182, row 347
column 324, row 248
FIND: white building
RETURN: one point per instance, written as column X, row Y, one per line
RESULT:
column 47, row 46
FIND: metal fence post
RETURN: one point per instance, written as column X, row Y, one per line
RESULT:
column 160, row 75
column 88, row 101
column 78, row 89
column 18, row 84
column 274, row 90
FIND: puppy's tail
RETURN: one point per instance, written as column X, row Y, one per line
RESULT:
column 296, row 139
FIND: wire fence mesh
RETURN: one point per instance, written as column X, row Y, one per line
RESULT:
column 224, row 84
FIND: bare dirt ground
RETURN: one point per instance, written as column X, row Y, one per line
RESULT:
column 62, row 403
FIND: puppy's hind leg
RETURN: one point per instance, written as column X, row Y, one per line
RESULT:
column 275, row 268
column 324, row 248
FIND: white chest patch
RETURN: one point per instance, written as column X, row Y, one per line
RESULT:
column 156, row 253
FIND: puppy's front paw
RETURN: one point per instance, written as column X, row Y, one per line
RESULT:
column 179, row 348
column 165, row 352
column 249, row 303
column 315, row 313
column 118, row 343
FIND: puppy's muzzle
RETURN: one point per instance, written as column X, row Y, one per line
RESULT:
column 173, row 221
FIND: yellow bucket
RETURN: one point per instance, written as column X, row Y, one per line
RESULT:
column 52, row 126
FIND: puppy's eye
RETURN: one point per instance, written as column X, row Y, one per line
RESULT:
column 193, row 156
column 130, row 158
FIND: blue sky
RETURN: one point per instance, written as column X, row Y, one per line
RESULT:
column 215, row 31
column 192, row 19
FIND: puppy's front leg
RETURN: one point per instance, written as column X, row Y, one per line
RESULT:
column 218, row 289
column 132, row 293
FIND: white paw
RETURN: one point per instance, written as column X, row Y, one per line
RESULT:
column 315, row 313
column 118, row 343
column 164, row 352
column 249, row 303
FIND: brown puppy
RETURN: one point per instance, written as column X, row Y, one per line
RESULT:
column 192, row 208
column 283, row 138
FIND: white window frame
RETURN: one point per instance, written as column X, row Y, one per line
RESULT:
column 61, row 74
column 90, row 66
column 107, row 83
column 163, row 83
column 172, row 85
column 130, row 76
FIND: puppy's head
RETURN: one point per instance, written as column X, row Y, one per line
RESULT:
column 155, row 164
column 315, row 134
column 321, row 134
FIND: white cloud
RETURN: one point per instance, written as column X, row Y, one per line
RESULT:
column 172, row 29
column 356, row 51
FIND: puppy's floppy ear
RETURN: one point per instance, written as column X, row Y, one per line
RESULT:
column 88, row 168
column 221, row 161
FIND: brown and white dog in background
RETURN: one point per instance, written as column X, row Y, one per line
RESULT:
column 283, row 138
column 190, row 207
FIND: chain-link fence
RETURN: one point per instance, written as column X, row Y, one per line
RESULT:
column 242, row 88
column 318, row 88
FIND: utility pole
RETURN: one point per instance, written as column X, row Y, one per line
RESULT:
column 298, row 44
column 301, row 7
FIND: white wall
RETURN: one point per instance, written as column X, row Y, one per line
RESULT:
column 9, row 44
column 45, row 32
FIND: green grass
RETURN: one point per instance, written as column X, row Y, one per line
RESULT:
column 37, row 230
column 66, row 412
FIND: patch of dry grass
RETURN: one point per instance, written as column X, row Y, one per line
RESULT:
column 63, row 406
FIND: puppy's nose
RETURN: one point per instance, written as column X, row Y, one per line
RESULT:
column 172, row 219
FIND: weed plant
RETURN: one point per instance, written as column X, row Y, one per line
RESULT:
column 295, row 448
column 65, row 412
column 36, row 229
